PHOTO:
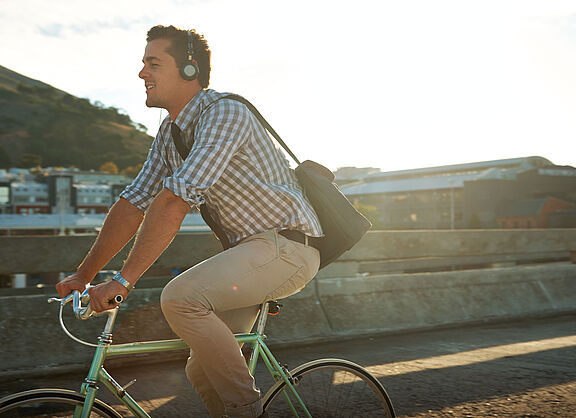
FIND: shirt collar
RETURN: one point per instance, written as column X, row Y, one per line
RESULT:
column 192, row 110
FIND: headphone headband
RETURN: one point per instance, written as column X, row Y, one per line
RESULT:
column 190, row 49
column 189, row 71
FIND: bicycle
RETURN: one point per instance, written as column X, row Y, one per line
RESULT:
column 320, row 388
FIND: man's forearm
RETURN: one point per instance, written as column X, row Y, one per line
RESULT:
column 120, row 225
column 163, row 220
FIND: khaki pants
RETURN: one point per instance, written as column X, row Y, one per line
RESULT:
column 209, row 302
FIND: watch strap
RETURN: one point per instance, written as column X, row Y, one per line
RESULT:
column 118, row 277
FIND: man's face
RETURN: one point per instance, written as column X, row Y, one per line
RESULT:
column 161, row 76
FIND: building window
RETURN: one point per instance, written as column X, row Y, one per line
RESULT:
column 4, row 195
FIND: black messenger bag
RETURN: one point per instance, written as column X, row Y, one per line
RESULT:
column 342, row 224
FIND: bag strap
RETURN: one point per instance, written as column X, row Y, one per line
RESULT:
column 214, row 225
column 178, row 142
column 183, row 151
column 263, row 121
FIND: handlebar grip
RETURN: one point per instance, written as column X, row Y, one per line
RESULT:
column 77, row 299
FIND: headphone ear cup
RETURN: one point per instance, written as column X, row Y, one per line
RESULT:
column 189, row 71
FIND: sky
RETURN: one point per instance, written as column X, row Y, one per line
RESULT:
column 389, row 84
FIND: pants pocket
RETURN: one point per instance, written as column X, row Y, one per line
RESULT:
column 291, row 286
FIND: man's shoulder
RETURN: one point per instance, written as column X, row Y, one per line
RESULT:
column 217, row 102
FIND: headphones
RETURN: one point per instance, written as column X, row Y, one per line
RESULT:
column 189, row 71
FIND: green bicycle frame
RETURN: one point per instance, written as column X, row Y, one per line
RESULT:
column 105, row 349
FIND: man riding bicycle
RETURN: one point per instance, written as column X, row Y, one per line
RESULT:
column 247, row 189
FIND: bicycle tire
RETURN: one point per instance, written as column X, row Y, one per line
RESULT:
column 50, row 403
column 331, row 388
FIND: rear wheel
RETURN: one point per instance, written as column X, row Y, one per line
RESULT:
column 50, row 403
column 330, row 388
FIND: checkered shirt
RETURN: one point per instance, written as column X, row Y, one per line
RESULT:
column 234, row 167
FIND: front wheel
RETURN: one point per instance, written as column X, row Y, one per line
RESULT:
column 330, row 388
column 50, row 403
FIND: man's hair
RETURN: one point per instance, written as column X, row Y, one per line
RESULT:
column 179, row 48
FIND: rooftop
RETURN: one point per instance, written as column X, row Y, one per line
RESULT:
column 442, row 177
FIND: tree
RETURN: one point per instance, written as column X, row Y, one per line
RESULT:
column 30, row 160
column 132, row 171
column 5, row 160
column 109, row 167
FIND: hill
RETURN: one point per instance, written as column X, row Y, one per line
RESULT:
column 41, row 125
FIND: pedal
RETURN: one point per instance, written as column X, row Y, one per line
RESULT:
column 127, row 385
column 121, row 391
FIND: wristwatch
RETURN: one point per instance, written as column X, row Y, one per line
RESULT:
column 118, row 277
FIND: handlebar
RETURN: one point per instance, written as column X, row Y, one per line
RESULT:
column 77, row 299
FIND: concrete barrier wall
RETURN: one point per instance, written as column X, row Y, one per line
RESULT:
column 46, row 254
column 329, row 308
column 399, row 302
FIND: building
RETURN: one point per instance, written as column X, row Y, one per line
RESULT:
column 29, row 198
column 487, row 199
column 346, row 175
column 60, row 204
column 59, row 191
column 531, row 213
column 92, row 198
column 58, row 198
column 4, row 197
column 472, row 195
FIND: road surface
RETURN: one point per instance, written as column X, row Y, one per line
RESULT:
column 509, row 369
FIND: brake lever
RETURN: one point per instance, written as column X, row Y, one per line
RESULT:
column 63, row 301
column 83, row 312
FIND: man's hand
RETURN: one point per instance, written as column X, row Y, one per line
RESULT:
column 74, row 282
column 101, row 295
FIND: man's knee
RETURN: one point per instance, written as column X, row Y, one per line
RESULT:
column 169, row 298
column 180, row 296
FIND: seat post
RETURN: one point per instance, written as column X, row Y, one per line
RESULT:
column 262, row 317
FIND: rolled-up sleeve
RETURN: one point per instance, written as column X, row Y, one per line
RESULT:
column 220, row 131
column 148, row 183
